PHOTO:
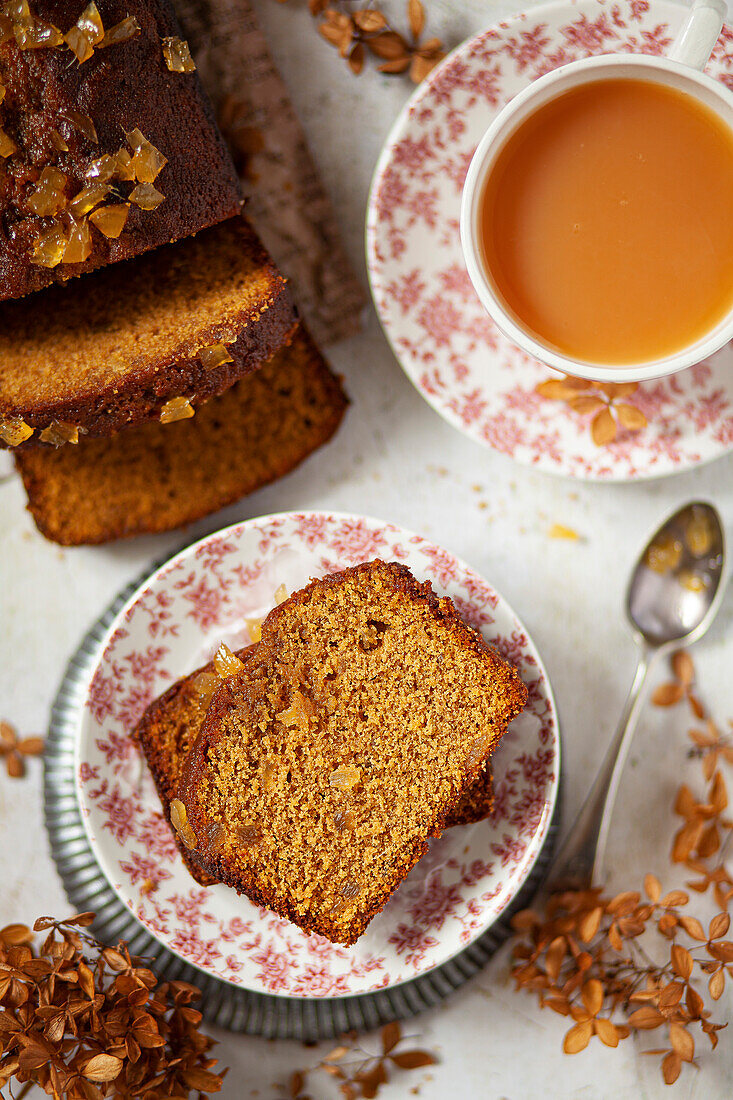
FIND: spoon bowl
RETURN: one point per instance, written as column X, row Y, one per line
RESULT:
column 675, row 588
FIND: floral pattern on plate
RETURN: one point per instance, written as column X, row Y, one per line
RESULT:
column 174, row 623
column 448, row 346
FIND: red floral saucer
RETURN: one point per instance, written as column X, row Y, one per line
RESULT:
column 445, row 342
column 172, row 624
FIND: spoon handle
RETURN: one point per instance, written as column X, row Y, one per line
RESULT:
column 579, row 863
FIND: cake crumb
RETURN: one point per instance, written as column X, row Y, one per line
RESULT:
column 560, row 531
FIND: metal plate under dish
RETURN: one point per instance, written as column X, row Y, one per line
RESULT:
column 223, row 1004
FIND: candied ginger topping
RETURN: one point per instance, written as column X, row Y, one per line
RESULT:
column 59, row 432
column 215, row 356
column 178, row 408
column 205, row 685
column 345, row 778
column 180, row 822
column 226, row 663
column 178, row 56
column 14, row 431
column 300, row 711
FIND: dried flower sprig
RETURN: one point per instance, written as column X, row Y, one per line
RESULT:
column 15, row 749
column 83, row 1021
column 358, row 33
column 359, row 1073
column 604, row 400
column 586, row 955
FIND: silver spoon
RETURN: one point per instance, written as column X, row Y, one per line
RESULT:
column 673, row 596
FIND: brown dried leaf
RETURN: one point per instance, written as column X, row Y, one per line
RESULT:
column 391, row 1035
column 674, row 899
column 682, row 1042
column 578, row 1037
column 603, row 428
column 389, row 46
column 668, row 695
column 719, row 925
column 693, row 928
column 671, row 994
column 716, row 984
column 561, row 389
column 671, row 1067
column 682, row 667
column 369, row 20
column 646, row 1018
column 586, row 404
column 681, row 961
column 103, row 1067
column 592, row 995
column 653, row 887
column 630, row 418
column 416, row 17
column 413, row 1059
column 589, row 924
column 607, row 1032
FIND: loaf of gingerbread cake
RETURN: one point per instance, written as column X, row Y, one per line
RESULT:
column 156, row 477
column 179, row 324
column 108, row 145
column 342, row 743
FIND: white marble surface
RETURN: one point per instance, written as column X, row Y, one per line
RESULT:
column 396, row 459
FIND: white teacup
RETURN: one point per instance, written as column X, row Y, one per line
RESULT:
column 681, row 69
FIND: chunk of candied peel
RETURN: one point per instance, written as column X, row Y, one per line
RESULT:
column 110, row 220
column 215, row 356
column 180, row 822
column 227, row 663
column 14, row 431
column 178, row 56
column 178, row 408
column 59, row 432
column 345, row 778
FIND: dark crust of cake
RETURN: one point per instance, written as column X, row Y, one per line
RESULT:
column 443, row 612
column 46, row 472
column 141, row 394
column 121, row 88
column 476, row 802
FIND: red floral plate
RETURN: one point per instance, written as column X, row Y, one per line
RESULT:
column 173, row 624
column 445, row 342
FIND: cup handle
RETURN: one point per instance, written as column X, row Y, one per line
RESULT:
column 695, row 41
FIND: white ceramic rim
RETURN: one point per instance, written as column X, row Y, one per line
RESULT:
column 538, row 840
column 712, row 92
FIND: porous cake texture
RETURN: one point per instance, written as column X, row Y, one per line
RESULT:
column 156, row 477
column 171, row 724
column 366, row 711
